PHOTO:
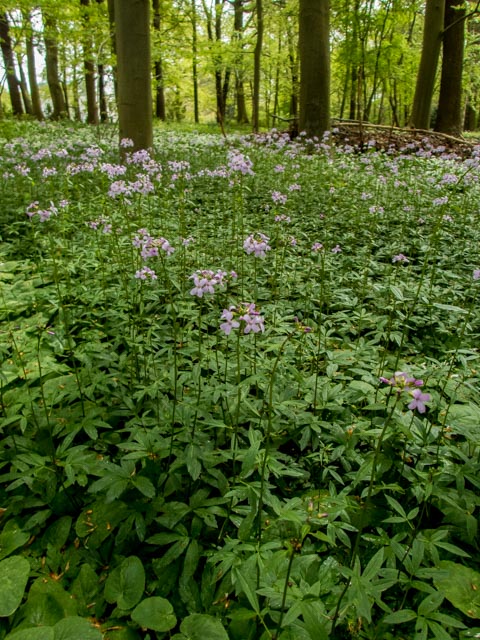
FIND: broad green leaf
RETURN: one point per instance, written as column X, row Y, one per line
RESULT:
column 398, row 617
column 12, row 539
column 199, row 626
column 14, row 572
column 155, row 613
column 75, row 628
column 34, row 633
column 47, row 603
column 98, row 521
column 461, row 586
column 125, row 584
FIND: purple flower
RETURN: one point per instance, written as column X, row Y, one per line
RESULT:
column 144, row 273
column 230, row 323
column 419, row 400
column 400, row 258
column 317, row 246
column 278, row 197
column 476, row 274
column 205, row 281
column 253, row 320
column 336, row 249
column 257, row 244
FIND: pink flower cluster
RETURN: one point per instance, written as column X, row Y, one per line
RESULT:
column 149, row 246
column 257, row 244
column 205, row 281
column 247, row 314
column 402, row 382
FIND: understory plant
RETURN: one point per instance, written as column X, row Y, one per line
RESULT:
column 239, row 389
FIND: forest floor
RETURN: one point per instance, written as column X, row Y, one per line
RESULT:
column 362, row 136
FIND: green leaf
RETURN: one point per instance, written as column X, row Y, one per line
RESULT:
column 47, row 603
column 398, row 617
column 11, row 539
column 155, row 613
column 198, row 626
column 125, row 584
column 248, row 591
column 14, row 572
column 461, row 586
column 75, row 628
column 431, row 603
column 34, row 633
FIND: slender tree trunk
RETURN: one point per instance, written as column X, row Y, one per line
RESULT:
column 449, row 116
column 159, row 91
column 77, row 114
column 257, row 62
column 102, row 97
column 27, row 102
column 135, row 115
column 432, row 40
column 242, row 117
column 89, row 66
column 31, row 68
column 51, row 64
column 196, row 113
column 314, row 66
column 9, row 63
column 113, row 42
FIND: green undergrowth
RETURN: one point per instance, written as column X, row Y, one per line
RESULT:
column 239, row 388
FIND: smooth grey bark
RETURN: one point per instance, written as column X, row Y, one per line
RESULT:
column 89, row 66
column 132, row 22
column 51, row 63
column 449, row 114
column 158, row 66
column 31, row 68
column 314, row 47
column 9, row 63
column 427, row 71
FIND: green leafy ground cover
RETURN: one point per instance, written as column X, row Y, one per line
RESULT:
column 239, row 389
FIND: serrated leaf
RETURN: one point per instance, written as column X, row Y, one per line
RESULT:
column 14, row 572
column 198, row 626
column 155, row 613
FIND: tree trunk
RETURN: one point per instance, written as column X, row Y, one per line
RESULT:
column 102, row 98
column 27, row 102
column 196, row 113
column 9, row 63
column 257, row 61
column 242, row 116
column 89, row 66
column 314, row 66
column 432, row 40
column 132, row 20
column 31, row 67
column 59, row 108
column 159, row 91
column 449, row 116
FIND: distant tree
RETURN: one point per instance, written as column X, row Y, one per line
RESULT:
column 158, row 66
column 432, row 41
column 257, row 60
column 31, row 66
column 9, row 62
column 314, row 35
column 132, row 21
column 89, row 65
column 450, row 115
column 51, row 63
